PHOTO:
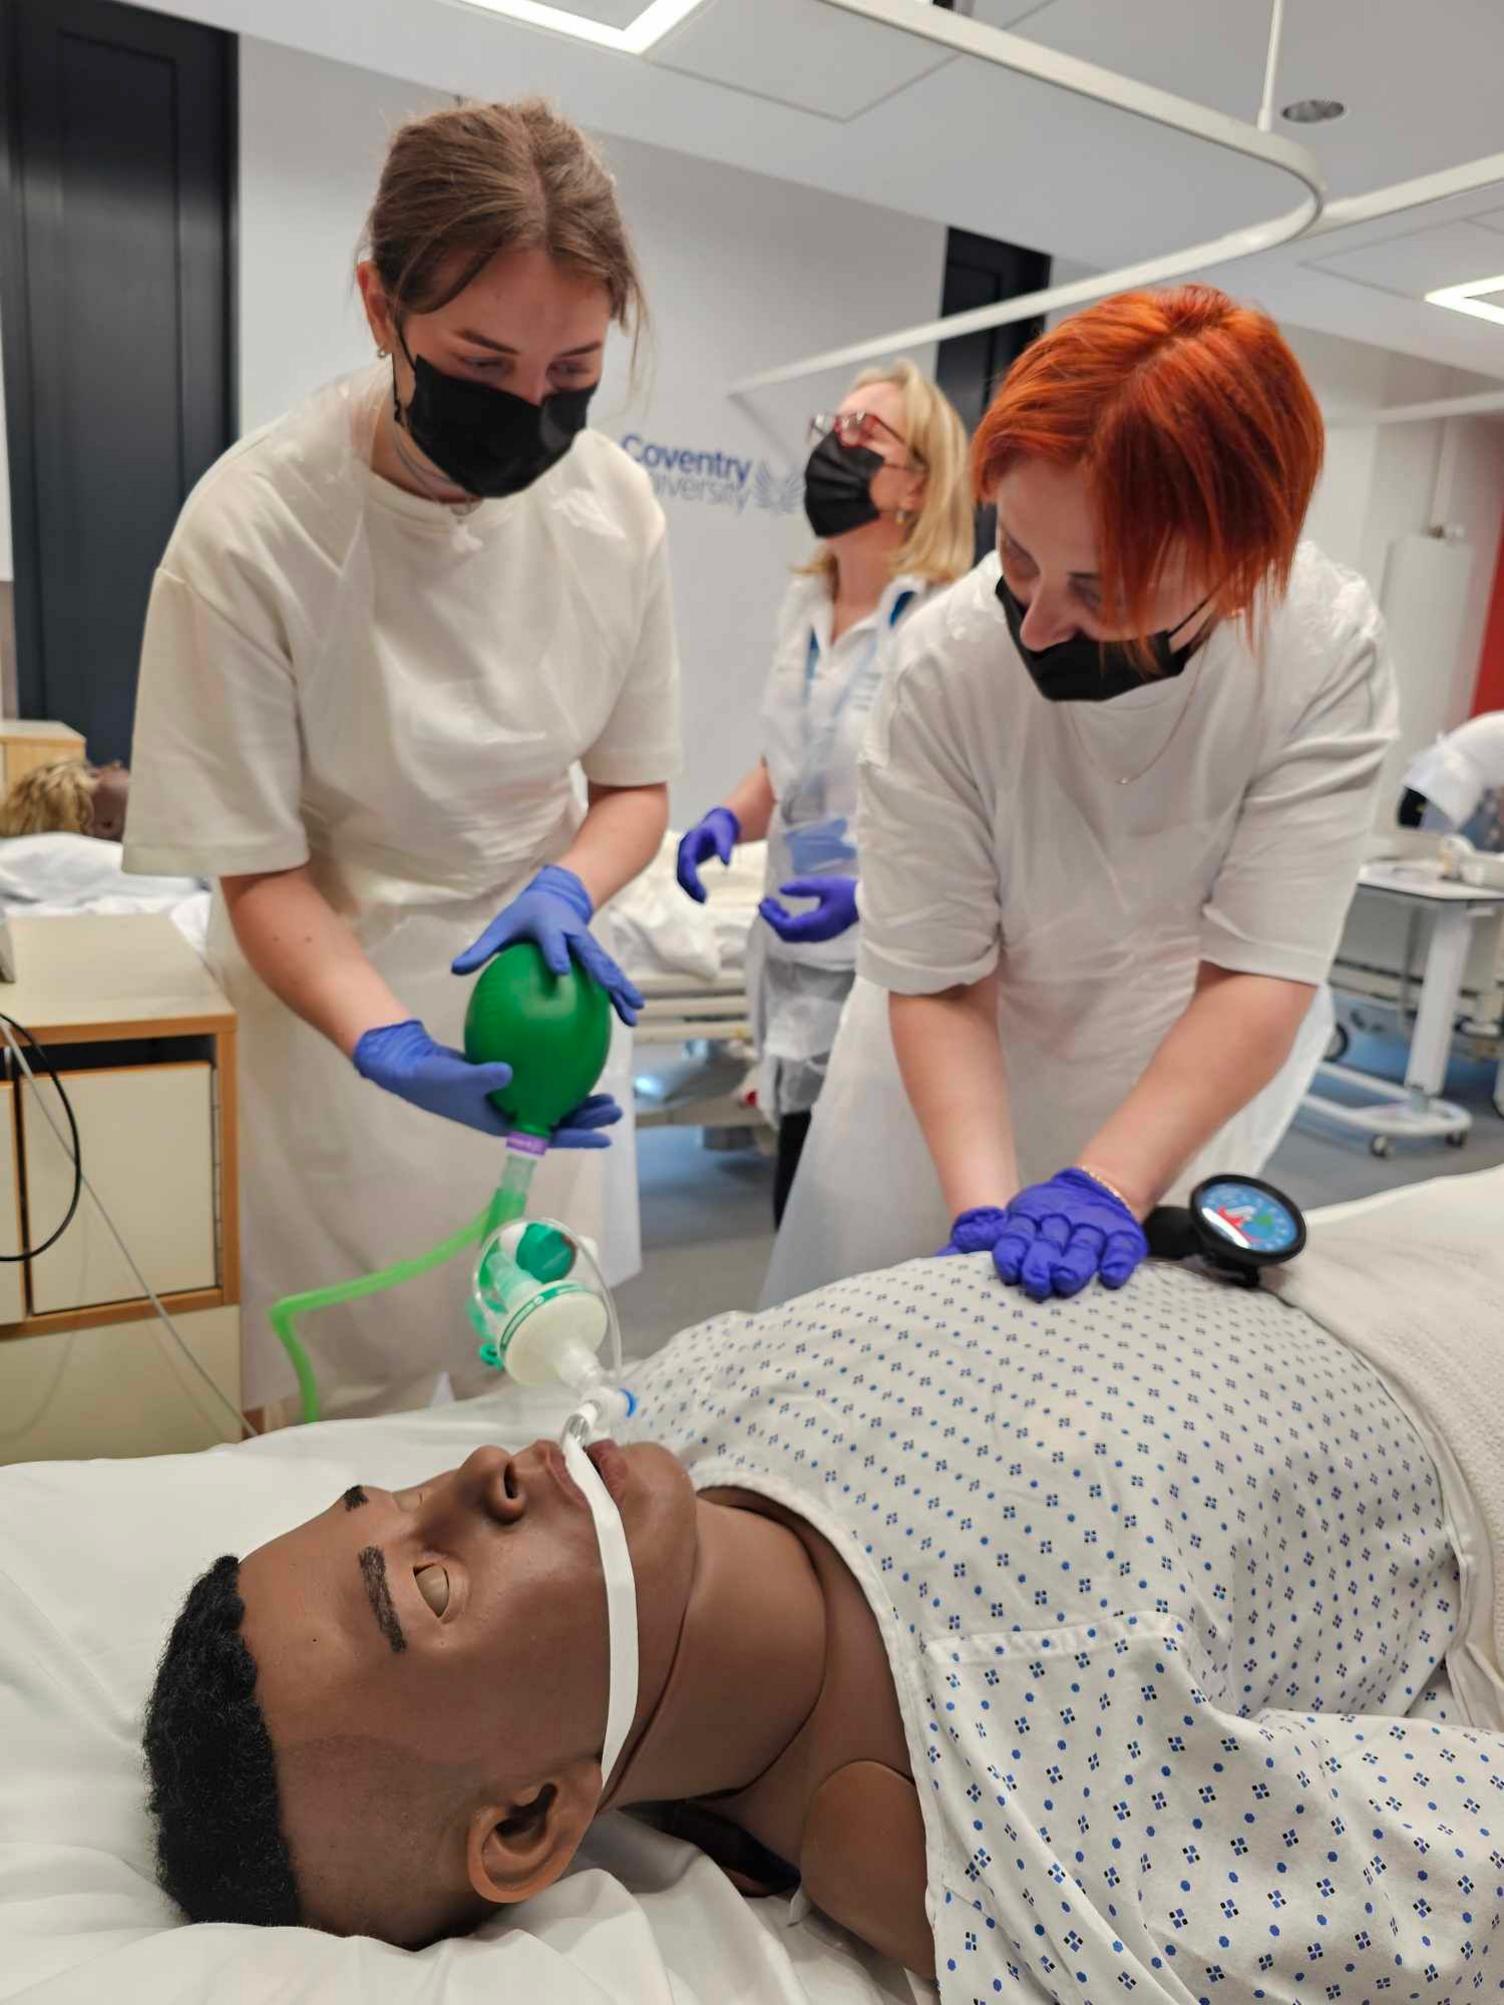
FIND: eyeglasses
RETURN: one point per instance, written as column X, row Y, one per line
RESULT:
column 856, row 428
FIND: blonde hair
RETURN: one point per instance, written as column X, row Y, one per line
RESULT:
column 50, row 800
column 940, row 545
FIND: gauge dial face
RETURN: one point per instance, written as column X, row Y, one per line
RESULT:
column 1247, row 1217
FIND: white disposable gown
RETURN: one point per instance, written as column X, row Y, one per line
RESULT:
column 404, row 697
column 1094, row 854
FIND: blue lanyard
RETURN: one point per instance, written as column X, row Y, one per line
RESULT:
column 812, row 658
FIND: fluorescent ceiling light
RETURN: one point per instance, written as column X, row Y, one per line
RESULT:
column 1467, row 298
column 650, row 26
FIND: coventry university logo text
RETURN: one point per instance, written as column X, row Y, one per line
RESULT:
column 717, row 479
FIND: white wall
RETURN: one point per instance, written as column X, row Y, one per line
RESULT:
column 741, row 270
column 1383, row 483
column 312, row 137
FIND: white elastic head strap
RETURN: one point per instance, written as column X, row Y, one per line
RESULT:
column 621, row 1604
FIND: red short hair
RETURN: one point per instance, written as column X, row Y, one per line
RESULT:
column 1195, row 427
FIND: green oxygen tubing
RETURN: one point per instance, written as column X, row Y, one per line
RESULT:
column 555, row 1032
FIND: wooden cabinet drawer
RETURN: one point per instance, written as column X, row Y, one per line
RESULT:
column 147, row 1139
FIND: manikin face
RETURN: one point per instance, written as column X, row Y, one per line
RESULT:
column 458, row 1627
column 111, row 790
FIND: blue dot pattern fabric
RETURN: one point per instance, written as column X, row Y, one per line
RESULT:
column 1160, row 1574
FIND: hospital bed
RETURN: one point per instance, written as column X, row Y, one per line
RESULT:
column 94, row 1560
column 690, row 962
column 60, row 876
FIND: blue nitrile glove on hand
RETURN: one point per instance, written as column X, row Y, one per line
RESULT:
column 405, row 1060
column 834, row 914
column 975, row 1231
column 1059, row 1235
column 715, row 834
column 555, row 910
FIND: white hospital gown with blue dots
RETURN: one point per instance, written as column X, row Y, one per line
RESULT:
column 1160, row 1574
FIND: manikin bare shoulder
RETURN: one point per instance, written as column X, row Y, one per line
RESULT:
column 840, row 1804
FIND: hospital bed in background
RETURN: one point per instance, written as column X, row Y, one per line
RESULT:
column 1421, row 957
column 694, row 1045
column 690, row 961
column 60, row 876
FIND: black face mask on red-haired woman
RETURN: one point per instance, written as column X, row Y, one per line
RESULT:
column 488, row 441
column 1082, row 670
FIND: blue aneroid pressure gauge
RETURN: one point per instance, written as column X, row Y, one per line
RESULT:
column 1236, row 1224
column 1246, row 1223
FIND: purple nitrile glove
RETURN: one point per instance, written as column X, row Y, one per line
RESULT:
column 555, row 910
column 404, row 1060
column 582, row 1128
column 976, row 1231
column 1059, row 1235
column 714, row 834
column 834, row 915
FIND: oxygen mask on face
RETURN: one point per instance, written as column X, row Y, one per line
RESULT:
column 544, row 1314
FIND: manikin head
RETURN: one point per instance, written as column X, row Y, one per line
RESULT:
column 389, row 1720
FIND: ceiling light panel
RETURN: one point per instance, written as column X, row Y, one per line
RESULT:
column 1481, row 297
column 628, row 26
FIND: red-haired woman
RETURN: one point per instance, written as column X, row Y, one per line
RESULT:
column 1114, row 801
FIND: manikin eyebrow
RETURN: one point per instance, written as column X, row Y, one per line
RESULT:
column 1081, row 577
column 505, row 348
column 373, row 1578
column 354, row 1497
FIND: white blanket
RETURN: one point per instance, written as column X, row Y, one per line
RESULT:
column 1414, row 1282
column 657, row 930
column 94, row 1559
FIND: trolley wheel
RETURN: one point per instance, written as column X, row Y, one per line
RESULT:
column 1337, row 1043
column 1379, row 1146
column 1455, row 1141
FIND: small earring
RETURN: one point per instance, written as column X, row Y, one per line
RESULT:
column 382, row 354
column 903, row 517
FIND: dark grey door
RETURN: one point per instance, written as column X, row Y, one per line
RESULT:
column 980, row 271
column 114, row 300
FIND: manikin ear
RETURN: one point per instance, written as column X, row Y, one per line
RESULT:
column 517, row 1848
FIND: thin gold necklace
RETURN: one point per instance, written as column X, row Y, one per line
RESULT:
column 1127, row 779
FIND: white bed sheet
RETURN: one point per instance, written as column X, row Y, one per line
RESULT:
column 657, row 930
column 95, row 1558
column 56, row 876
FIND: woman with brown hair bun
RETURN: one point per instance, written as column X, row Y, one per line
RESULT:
column 387, row 629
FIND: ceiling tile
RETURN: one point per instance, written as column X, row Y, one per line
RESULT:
column 816, row 59
column 1419, row 261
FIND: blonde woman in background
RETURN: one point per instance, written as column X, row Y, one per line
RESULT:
column 885, row 491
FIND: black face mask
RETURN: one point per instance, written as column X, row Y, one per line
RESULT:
column 486, row 440
column 838, row 487
column 1081, row 670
